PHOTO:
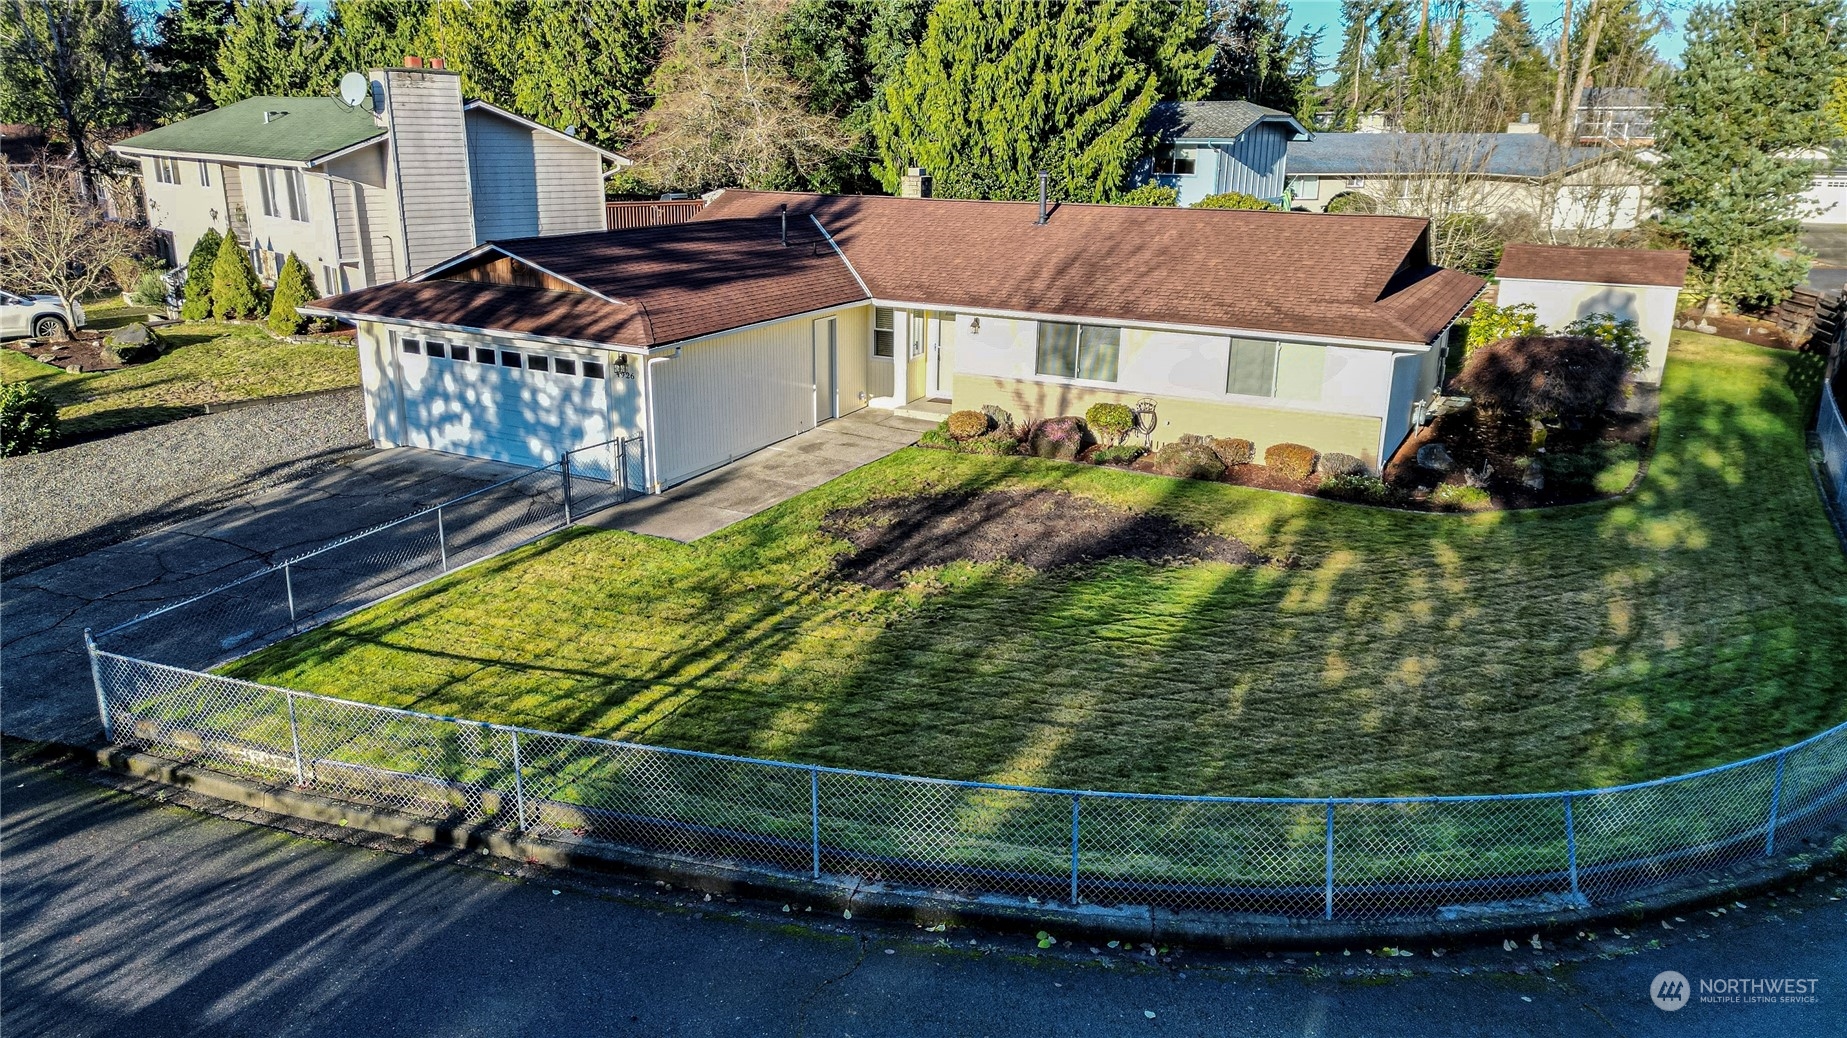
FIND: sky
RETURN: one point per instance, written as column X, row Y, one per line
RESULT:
column 1544, row 14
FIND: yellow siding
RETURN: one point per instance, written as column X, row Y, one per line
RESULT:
column 1178, row 416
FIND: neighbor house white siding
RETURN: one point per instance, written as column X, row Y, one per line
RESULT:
column 186, row 209
column 1558, row 303
column 429, row 164
column 528, row 182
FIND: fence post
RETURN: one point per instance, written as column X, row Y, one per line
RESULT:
column 301, row 777
column 814, row 819
column 96, row 678
column 519, row 781
column 1327, row 895
column 288, row 588
column 564, row 467
column 442, row 540
column 1776, row 797
column 1571, row 849
column 622, row 466
column 1075, row 800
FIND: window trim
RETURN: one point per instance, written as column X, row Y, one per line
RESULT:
column 1170, row 156
column 166, row 170
column 891, row 348
column 1078, row 347
column 205, row 173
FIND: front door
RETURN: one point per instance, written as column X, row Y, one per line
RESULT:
column 826, row 369
column 942, row 356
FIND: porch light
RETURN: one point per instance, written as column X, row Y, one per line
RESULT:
column 974, row 325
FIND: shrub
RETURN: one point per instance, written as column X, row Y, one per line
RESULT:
column 1493, row 323
column 1233, row 451
column 1544, row 376
column 1061, row 439
column 965, row 425
column 1152, row 194
column 1112, row 420
column 1625, row 337
column 1291, row 460
column 1355, row 487
column 1236, row 200
column 1188, row 461
column 937, row 438
column 151, row 291
column 235, row 289
column 1349, row 203
column 125, row 271
column 1460, row 496
column 28, row 421
column 1335, row 463
column 196, row 297
column 294, row 286
column 1121, row 454
column 991, row 445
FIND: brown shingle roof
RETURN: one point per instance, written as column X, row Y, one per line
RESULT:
column 1361, row 277
column 1596, row 266
column 647, row 287
column 1345, row 276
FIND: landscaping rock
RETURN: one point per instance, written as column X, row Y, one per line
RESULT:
column 1435, row 457
column 133, row 344
column 1188, row 461
column 1001, row 420
column 1535, row 475
column 1060, row 439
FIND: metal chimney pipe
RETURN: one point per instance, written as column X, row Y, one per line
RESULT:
column 784, row 208
column 1043, row 178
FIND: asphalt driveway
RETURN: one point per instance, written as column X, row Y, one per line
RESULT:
column 45, row 687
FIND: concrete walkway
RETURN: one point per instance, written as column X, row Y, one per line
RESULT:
column 45, row 684
column 769, row 477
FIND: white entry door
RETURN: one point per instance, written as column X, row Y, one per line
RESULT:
column 941, row 377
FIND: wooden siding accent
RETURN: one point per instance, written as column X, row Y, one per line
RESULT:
column 429, row 159
column 623, row 215
column 505, row 270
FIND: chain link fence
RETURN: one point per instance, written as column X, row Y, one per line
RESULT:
column 1347, row 859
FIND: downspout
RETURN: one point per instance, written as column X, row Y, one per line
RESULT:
column 650, row 440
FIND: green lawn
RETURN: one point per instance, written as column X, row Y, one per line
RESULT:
column 211, row 363
column 1702, row 619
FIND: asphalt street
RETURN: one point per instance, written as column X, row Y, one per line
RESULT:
column 125, row 916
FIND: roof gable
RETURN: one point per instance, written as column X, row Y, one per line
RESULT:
column 306, row 129
column 1215, row 120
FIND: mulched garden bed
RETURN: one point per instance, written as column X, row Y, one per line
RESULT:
column 83, row 351
column 1494, row 453
column 1043, row 529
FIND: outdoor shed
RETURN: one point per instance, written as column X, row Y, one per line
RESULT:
column 1564, row 283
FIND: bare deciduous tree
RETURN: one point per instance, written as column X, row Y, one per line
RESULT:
column 52, row 238
column 728, row 113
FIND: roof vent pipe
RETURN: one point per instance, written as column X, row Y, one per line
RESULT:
column 1043, row 177
column 784, row 209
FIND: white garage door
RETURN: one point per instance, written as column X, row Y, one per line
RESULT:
column 505, row 402
column 724, row 398
column 1827, row 200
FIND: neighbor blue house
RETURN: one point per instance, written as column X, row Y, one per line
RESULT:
column 1211, row 147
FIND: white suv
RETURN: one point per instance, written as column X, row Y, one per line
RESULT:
column 40, row 317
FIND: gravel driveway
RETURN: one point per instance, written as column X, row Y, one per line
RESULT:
column 79, row 498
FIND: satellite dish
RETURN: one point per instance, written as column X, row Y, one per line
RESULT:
column 355, row 88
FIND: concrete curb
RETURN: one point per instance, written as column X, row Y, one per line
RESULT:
column 917, row 905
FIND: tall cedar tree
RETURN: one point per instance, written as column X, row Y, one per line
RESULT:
column 368, row 34
column 1257, row 59
column 196, row 297
column 269, row 49
column 843, row 52
column 1516, row 74
column 993, row 94
column 587, row 63
column 73, row 68
column 1374, row 59
column 188, row 34
column 1753, row 90
column 236, row 293
column 294, row 286
column 485, row 42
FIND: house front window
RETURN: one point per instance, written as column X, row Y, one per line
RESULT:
column 205, row 173
column 1078, row 351
column 1175, row 160
column 1307, row 189
column 283, row 192
column 167, row 171
column 1277, row 370
column 884, row 332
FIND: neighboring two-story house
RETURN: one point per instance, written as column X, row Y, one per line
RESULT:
column 367, row 193
column 1212, row 147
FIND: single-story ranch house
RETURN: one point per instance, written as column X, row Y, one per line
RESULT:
column 773, row 312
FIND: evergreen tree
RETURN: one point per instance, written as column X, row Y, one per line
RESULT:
column 196, row 297
column 1174, row 38
column 1753, row 90
column 188, row 35
column 236, row 292
column 294, row 286
column 269, row 49
column 1516, row 73
column 1374, row 59
column 843, row 52
column 587, row 62
column 363, row 35
column 993, row 94
column 71, row 67
column 485, row 42
column 1255, row 57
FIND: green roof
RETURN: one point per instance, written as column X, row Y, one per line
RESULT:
column 309, row 128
